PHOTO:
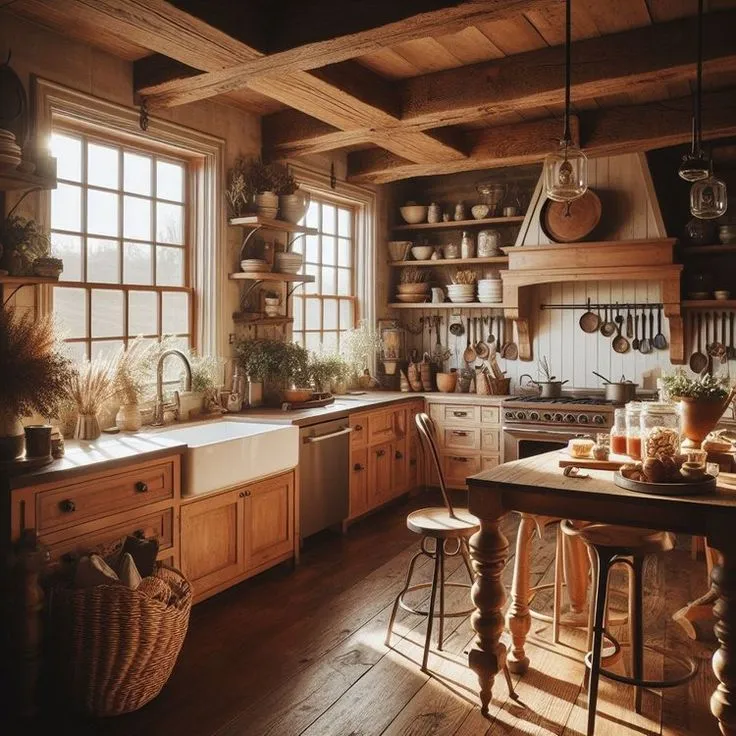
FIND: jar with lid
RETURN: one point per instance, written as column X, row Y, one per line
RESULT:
column 489, row 242
column 467, row 245
column 660, row 429
column 618, row 432
column 451, row 250
column 434, row 213
column 633, row 429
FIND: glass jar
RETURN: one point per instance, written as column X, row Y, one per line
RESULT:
column 489, row 242
column 618, row 432
column 633, row 430
column 451, row 250
column 660, row 429
column 467, row 245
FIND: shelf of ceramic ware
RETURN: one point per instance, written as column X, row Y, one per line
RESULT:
column 447, row 305
column 271, row 276
column 714, row 304
column 708, row 250
column 271, row 224
column 492, row 260
column 460, row 224
column 256, row 319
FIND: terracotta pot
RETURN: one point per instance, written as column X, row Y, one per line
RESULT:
column 700, row 417
column 447, row 382
column 12, row 437
column 128, row 418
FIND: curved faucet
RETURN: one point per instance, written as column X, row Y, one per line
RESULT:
column 160, row 407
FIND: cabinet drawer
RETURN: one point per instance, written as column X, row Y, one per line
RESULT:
column 381, row 426
column 460, row 439
column 359, row 425
column 490, row 414
column 490, row 440
column 458, row 467
column 489, row 461
column 74, row 503
column 460, row 414
column 159, row 525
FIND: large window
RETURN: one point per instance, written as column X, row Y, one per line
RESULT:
column 324, row 310
column 120, row 221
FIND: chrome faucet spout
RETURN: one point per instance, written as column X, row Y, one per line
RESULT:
column 160, row 407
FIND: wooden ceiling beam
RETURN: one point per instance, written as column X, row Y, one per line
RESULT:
column 603, row 132
column 448, row 18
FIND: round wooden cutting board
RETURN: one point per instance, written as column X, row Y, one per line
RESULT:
column 568, row 222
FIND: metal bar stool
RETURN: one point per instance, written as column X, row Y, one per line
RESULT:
column 609, row 545
column 442, row 524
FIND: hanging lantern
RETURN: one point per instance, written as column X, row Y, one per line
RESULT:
column 694, row 165
column 566, row 170
column 708, row 198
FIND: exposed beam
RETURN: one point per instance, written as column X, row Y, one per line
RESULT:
column 444, row 20
column 603, row 132
column 603, row 66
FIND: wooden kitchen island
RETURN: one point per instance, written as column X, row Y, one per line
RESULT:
column 537, row 486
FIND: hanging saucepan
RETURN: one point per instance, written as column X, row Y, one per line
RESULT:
column 547, row 389
column 590, row 321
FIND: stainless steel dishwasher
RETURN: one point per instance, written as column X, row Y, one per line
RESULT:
column 324, row 478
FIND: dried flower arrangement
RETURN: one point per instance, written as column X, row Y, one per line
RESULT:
column 35, row 374
column 361, row 345
column 134, row 372
column 92, row 384
column 282, row 179
column 413, row 275
column 465, row 277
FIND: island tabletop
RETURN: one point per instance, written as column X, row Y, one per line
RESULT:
column 537, row 486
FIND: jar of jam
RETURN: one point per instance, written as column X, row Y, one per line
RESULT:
column 660, row 429
column 633, row 430
column 618, row 432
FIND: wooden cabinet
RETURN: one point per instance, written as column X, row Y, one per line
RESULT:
column 359, row 425
column 399, row 467
column 358, row 482
column 229, row 536
column 213, row 540
column 380, row 467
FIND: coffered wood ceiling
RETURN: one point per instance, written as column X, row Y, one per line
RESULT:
column 422, row 86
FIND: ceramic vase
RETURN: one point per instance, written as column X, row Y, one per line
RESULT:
column 700, row 417
column 87, row 428
column 293, row 207
column 128, row 418
column 12, row 437
column 267, row 204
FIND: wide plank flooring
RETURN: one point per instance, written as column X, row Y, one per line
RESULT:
column 302, row 652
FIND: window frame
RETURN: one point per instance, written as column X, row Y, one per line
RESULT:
column 157, row 153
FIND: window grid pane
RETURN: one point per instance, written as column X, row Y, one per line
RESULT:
column 107, row 216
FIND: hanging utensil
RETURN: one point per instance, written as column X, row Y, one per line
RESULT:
column 469, row 355
column 731, row 347
column 629, row 323
column 659, row 340
column 481, row 347
column 512, row 350
column 645, row 346
column 479, row 338
column 620, row 344
column 698, row 360
column 609, row 326
column 635, row 344
column 590, row 321
column 491, row 337
column 724, row 337
column 457, row 329
column 715, row 349
column 651, row 324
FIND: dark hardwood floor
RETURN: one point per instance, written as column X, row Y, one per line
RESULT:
column 301, row 652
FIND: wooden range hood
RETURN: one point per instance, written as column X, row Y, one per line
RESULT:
column 633, row 260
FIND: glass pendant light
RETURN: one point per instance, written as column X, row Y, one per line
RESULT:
column 708, row 195
column 566, row 170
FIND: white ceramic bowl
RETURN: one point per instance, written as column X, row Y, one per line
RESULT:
column 422, row 252
column 288, row 262
column 722, row 296
column 479, row 211
column 413, row 214
column 461, row 288
column 462, row 299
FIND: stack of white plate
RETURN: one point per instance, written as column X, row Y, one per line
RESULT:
column 490, row 291
column 461, row 293
column 254, row 265
column 10, row 153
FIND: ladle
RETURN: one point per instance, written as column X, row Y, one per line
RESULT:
column 698, row 360
column 659, row 340
column 469, row 355
column 644, row 346
column 635, row 343
column 608, row 327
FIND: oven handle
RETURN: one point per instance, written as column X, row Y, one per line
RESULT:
column 329, row 436
column 546, row 432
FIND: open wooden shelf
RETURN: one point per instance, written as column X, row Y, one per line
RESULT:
column 459, row 224
column 709, row 303
column 271, row 276
column 270, row 224
column 14, row 180
column 255, row 319
column 446, row 305
column 708, row 250
column 27, row 280
column 496, row 260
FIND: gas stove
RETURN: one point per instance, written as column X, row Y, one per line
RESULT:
column 570, row 411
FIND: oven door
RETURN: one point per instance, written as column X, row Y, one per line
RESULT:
column 521, row 442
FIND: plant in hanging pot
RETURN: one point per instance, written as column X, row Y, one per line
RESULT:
column 23, row 243
column 33, row 375
column 703, row 400
column 293, row 201
column 91, row 386
column 133, row 373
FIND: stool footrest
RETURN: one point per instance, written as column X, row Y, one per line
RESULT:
column 424, row 586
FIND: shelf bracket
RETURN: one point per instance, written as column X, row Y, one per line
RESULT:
column 247, row 291
column 290, row 291
column 253, row 229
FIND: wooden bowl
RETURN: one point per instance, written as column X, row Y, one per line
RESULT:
column 447, row 382
column 297, row 395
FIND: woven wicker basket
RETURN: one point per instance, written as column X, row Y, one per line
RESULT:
column 499, row 386
column 116, row 646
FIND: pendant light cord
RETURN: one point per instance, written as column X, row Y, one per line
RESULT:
column 699, row 82
column 568, row 56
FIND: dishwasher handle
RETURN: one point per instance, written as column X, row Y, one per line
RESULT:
column 329, row 436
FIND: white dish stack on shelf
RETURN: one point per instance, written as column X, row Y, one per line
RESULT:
column 490, row 291
column 10, row 153
column 461, row 293
column 254, row 265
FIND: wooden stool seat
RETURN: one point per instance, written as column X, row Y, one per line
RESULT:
column 437, row 522
column 625, row 541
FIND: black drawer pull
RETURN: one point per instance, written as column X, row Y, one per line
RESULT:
column 358, row 428
column 244, row 494
column 380, row 453
column 358, row 466
column 460, row 459
column 399, row 455
column 459, row 433
column 68, row 506
column 141, row 487
column 459, row 413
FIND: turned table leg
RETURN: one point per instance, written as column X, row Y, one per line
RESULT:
column 487, row 657
column 518, row 618
column 723, row 701
column 577, row 567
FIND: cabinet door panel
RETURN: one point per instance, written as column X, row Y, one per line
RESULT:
column 458, row 467
column 381, row 426
column 359, row 425
column 490, row 414
column 213, row 540
column 490, row 440
column 380, row 461
column 489, row 461
column 460, row 439
column 358, row 482
column 269, row 520
column 399, row 468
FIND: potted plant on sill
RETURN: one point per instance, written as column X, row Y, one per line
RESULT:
column 25, row 249
column 34, row 376
column 703, row 401
column 293, row 201
column 91, row 386
column 134, row 371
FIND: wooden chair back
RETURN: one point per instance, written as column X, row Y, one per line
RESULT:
column 428, row 440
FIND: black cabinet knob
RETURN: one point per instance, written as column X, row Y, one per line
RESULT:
column 141, row 487
column 68, row 506
column 358, row 428
column 358, row 466
column 399, row 455
column 380, row 453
